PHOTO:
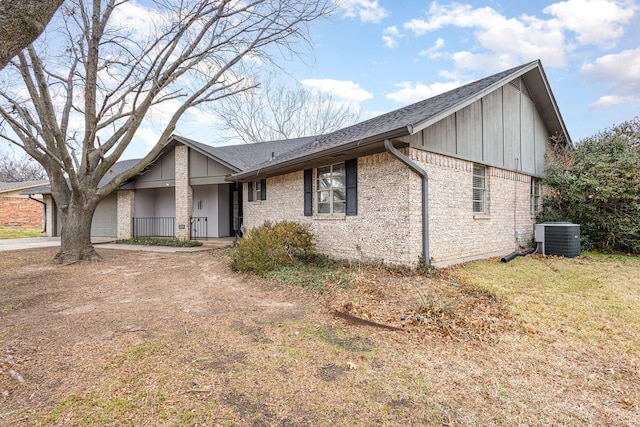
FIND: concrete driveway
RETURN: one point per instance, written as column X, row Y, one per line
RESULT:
column 28, row 243
column 108, row 243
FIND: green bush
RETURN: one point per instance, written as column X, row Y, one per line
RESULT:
column 272, row 246
column 597, row 185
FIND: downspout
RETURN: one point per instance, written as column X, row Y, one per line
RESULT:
column 425, row 196
column 44, row 221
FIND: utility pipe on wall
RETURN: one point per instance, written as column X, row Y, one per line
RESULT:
column 425, row 196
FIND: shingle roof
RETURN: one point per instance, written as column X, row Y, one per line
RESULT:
column 117, row 168
column 250, row 159
column 399, row 121
column 13, row 186
column 244, row 156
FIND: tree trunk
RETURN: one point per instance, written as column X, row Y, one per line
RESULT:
column 21, row 22
column 76, row 235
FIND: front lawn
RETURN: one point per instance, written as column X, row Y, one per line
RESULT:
column 145, row 338
column 19, row 232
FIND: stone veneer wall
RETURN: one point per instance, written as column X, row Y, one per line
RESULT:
column 125, row 203
column 388, row 226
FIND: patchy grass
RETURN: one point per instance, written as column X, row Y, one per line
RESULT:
column 159, row 241
column 594, row 298
column 19, row 232
column 157, row 339
column 319, row 276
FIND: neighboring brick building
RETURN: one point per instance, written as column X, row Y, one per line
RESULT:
column 452, row 178
column 17, row 210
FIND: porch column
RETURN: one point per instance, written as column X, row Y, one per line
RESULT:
column 125, row 203
column 184, row 193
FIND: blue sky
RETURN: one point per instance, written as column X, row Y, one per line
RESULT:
column 388, row 53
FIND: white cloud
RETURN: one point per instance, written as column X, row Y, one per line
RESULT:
column 366, row 10
column 621, row 69
column 621, row 72
column 139, row 20
column 390, row 36
column 343, row 89
column 434, row 51
column 149, row 137
column 502, row 41
column 412, row 92
column 597, row 22
column 611, row 100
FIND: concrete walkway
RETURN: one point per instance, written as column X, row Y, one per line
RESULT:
column 109, row 243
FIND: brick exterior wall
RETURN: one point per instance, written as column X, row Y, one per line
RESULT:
column 184, row 193
column 126, row 204
column 388, row 226
column 456, row 233
column 19, row 211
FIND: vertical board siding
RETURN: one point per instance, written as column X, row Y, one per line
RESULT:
column 542, row 143
column 469, row 131
column 502, row 129
column 441, row 136
column 492, row 129
column 511, row 108
column 527, row 150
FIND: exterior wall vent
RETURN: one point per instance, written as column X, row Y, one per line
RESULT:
column 558, row 238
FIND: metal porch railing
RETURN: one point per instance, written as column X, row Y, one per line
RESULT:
column 154, row 227
column 199, row 227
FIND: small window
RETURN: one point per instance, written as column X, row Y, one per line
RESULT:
column 479, row 189
column 331, row 189
column 536, row 205
column 257, row 190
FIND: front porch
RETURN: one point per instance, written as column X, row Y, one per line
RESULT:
column 166, row 227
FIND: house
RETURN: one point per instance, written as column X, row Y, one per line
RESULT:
column 20, row 210
column 183, row 194
column 452, row 178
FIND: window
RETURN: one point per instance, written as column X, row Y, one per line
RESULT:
column 335, row 190
column 257, row 190
column 331, row 189
column 479, row 189
column 536, row 185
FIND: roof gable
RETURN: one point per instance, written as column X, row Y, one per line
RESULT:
column 414, row 118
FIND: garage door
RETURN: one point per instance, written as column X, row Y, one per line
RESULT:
column 105, row 219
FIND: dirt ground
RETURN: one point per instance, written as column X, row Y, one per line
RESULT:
column 147, row 338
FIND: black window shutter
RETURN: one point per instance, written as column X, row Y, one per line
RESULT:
column 308, row 192
column 263, row 189
column 250, row 191
column 351, row 172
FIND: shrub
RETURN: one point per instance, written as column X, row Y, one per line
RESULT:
column 272, row 246
column 159, row 241
column 597, row 185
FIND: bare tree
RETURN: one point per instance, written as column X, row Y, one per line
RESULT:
column 273, row 111
column 21, row 22
column 84, row 96
column 22, row 168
